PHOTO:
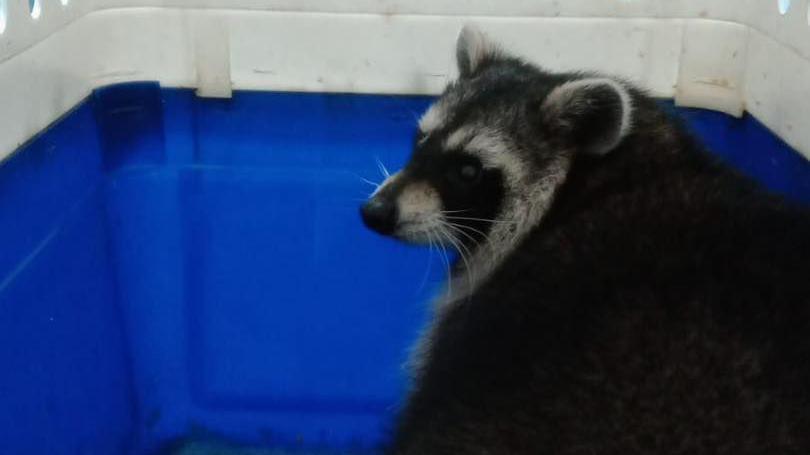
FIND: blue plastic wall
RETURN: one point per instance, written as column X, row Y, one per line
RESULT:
column 173, row 266
column 65, row 371
column 257, row 304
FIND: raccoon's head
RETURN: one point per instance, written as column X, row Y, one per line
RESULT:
column 491, row 152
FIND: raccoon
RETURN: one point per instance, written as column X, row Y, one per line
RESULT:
column 618, row 290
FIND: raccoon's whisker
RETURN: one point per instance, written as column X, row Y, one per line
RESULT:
column 382, row 168
column 448, row 239
column 445, row 212
column 462, row 226
column 457, row 244
column 374, row 184
column 443, row 251
column 370, row 182
column 458, row 228
column 460, row 248
column 487, row 241
column 430, row 261
column 471, row 272
column 376, row 188
column 463, row 218
column 440, row 230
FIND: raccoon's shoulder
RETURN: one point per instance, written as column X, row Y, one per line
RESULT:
column 657, row 205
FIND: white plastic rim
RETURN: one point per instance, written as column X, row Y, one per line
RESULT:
column 735, row 55
column 784, row 6
column 35, row 7
column 3, row 13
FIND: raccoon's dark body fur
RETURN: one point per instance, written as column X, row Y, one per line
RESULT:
column 661, row 307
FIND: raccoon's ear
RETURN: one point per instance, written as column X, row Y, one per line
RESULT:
column 473, row 48
column 592, row 115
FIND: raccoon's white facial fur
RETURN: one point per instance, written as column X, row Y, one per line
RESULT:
column 433, row 118
column 418, row 208
column 491, row 154
column 420, row 212
column 491, row 146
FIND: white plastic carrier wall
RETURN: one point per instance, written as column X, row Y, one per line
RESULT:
column 728, row 55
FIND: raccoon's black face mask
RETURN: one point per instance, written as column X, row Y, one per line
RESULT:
column 491, row 152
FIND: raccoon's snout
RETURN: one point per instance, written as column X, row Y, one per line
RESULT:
column 380, row 214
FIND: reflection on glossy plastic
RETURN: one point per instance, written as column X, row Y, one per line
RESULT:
column 35, row 8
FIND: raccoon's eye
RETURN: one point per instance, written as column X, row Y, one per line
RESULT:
column 468, row 172
column 465, row 173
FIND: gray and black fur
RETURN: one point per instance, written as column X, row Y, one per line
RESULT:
column 619, row 292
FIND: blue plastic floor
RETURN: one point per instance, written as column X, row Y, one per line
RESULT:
column 173, row 266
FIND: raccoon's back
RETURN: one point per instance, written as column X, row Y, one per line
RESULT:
column 679, row 316
column 656, row 321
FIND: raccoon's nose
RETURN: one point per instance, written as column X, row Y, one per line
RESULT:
column 380, row 215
